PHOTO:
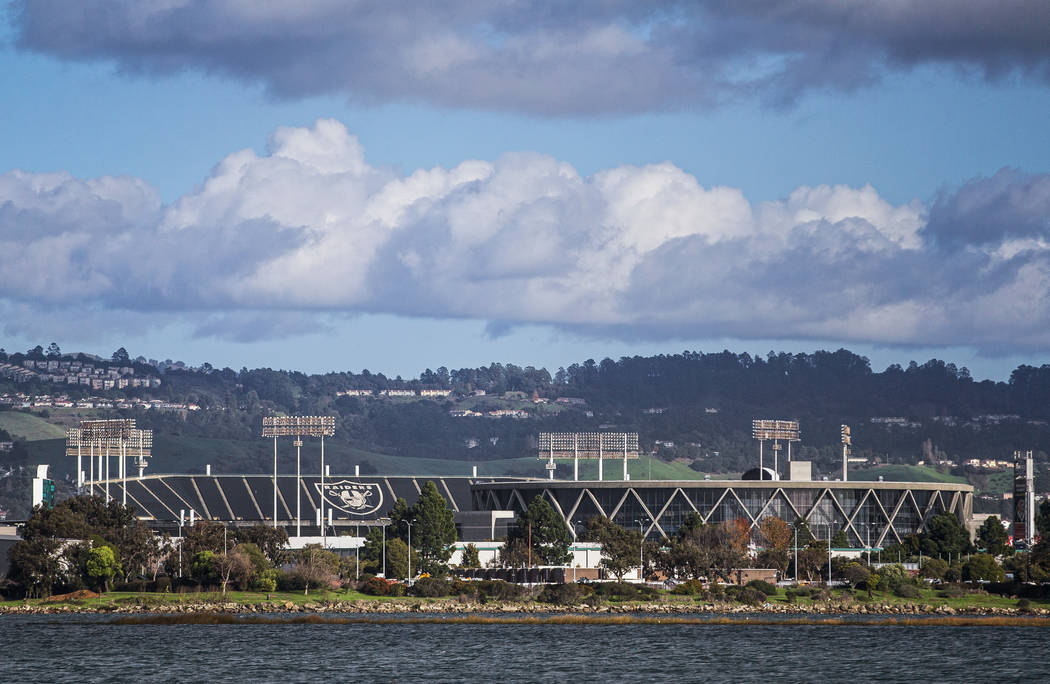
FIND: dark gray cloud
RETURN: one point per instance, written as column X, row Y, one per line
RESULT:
column 1011, row 205
column 545, row 57
column 285, row 241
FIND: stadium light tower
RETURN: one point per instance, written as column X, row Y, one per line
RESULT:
column 298, row 427
column 847, row 440
column 106, row 435
column 587, row 445
column 775, row 431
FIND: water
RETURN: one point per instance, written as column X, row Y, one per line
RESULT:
column 81, row 648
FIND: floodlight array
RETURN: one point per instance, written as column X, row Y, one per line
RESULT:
column 783, row 430
column 112, row 434
column 564, row 445
column 298, row 426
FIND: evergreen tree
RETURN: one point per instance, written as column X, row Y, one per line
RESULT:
column 434, row 529
column 550, row 538
column 992, row 537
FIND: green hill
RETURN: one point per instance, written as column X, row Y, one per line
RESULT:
column 29, row 427
column 903, row 473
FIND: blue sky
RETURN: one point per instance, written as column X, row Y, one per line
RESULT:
column 621, row 203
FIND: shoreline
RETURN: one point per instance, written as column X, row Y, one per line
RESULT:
column 457, row 607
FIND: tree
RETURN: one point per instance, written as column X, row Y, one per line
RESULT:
column 982, row 567
column 36, row 565
column 621, row 548
column 315, row 566
column 992, row 537
column 840, row 540
column 856, row 574
column 53, row 351
column 514, row 553
column 235, row 565
column 774, row 534
column 397, row 559
column 270, row 540
column 121, row 356
column 709, row 551
column 470, row 557
column 102, row 566
column 434, row 530
column 203, row 568
column 544, row 529
column 945, row 535
column 933, row 568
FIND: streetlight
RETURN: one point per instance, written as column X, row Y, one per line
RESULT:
column 384, row 550
column 796, row 554
column 182, row 521
column 409, row 551
column 829, row 555
column 641, row 550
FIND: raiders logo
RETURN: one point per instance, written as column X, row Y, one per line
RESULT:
column 355, row 498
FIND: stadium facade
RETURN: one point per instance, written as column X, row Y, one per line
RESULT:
column 870, row 513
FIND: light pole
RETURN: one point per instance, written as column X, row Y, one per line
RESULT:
column 384, row 550
column 829, row 555
column 182, row 521
column 796, row 554
column 409, row 551
column 641, row 551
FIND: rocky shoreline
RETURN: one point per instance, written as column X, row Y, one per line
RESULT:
column 459, row 607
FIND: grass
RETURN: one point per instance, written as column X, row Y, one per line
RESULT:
column 904, row 473
column 29, row 427
column 929, row 597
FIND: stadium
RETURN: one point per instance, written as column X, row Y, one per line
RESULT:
column 328, row 507
column 870, row 513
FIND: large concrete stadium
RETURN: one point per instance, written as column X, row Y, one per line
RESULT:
column 870, row 513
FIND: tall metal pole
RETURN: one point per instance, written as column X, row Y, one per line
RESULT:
column 275, row 482
column 829, row 556
column 776, row 455
column 298, row 487
column 124, row 471
column 91, row 465
column 409, row 551
column 107, row 471
column 384, row 551
column 641, row 550
column 796, row 554
column 625, row 457
column 80, row 469
column 761, row 470
column 322, row 496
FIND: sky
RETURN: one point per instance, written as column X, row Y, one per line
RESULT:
column 394, row 186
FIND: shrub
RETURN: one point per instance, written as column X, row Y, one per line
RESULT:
column 791, row 595
column 463, row 588
column 691, row 588
column 952, row 591
column 397, row 589
column 763, row 586
column 751, row 596
column 560, row 594
column 431, row 587
column 267, row 580
column 498, row 589
column 1024, row 605
column 624, row 591
column 374, row 586
column 162, row 585
column 908, row 591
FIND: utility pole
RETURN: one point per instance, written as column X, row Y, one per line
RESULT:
column 409, row 551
